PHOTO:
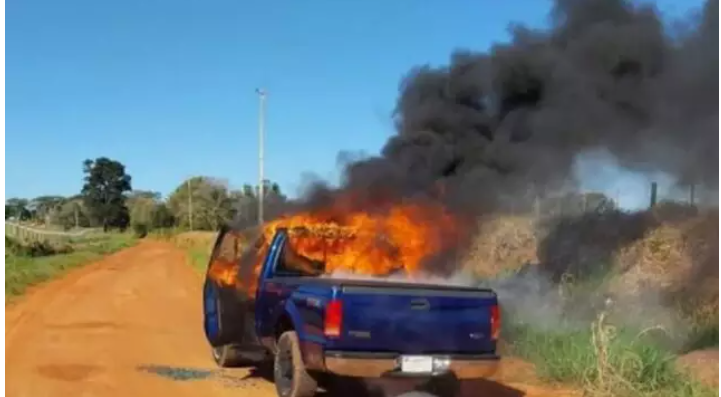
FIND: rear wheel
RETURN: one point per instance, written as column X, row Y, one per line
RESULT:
column 291, row 377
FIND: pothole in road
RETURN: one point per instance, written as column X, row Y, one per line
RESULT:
column 254, row 378
column 177, row 373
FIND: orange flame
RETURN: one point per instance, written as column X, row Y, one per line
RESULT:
column 396, row 238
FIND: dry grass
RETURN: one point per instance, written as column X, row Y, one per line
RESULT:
column 504, row 243
column 669, row 252
column 195, row 240
column 678, row 263
column 198, row 245
column 655, row 262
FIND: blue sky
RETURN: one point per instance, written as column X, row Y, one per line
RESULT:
column 167, row 87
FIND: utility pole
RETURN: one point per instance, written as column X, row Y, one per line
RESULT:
column 190, row 206
column 261, row 133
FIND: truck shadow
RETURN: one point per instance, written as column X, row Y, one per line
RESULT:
column 438, row 387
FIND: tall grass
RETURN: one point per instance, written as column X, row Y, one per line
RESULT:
column 197, row 244
column 23, row 268
column 603, row 359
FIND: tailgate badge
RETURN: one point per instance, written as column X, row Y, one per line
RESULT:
column 420, row 304
column 360, row 334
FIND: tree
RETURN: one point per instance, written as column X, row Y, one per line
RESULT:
column 43, row 206
column 141, row 205
column 147, row 210
column 71, row 213
column 210, row 200
column 17, row 208
column 162, row 217
column 103, row 192
column 245, row 203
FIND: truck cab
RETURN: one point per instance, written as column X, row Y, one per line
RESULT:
column 264, row 300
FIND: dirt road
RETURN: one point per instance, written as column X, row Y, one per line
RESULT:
column 130, row 325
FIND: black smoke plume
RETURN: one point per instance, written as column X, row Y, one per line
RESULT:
column 499, row 128
column 499, row 124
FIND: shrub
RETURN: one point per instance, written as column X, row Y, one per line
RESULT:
column 140, row 230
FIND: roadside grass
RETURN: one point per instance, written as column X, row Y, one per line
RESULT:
column 604, row 361
column 607, row 359
column 197, row 245
column 25, row 267
column 198, row 259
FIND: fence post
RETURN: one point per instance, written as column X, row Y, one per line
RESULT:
column 692, row 194
column 654, row 189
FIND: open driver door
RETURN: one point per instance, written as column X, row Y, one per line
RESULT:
column 229, row 299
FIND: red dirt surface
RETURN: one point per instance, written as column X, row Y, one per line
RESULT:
column 703, row 365
column 131, row 325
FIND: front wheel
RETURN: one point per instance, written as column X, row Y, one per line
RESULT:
column 291, row 377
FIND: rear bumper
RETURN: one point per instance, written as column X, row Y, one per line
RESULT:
column 376, row 365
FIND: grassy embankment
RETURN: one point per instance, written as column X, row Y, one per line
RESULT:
column 610, row 359
column 29, row 261
column 619, row 326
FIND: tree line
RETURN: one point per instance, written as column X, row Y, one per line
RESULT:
column 107, row 200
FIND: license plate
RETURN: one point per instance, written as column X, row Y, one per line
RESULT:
column 417, row 364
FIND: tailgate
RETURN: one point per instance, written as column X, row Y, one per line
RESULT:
column 415, row 320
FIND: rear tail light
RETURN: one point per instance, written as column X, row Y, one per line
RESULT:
column 333, row 318
column 495, row 322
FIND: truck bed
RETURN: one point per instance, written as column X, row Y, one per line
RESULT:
column 406, row 318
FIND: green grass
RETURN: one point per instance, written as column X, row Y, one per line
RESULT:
column 198, row 259
column 603, row 361
column 23, row 270
column 593, row 354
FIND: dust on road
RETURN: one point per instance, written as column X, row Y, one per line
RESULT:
column 130, row 325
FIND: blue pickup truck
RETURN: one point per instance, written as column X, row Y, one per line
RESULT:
column 314, row 327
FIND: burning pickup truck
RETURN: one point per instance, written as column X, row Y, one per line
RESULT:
column 269, row 301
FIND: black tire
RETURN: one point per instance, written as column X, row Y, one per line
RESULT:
column 291, row 377
column 226, row 356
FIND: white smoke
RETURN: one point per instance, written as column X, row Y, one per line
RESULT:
column 599, row 171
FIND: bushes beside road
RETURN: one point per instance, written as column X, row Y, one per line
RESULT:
column 27, row 264
column 196, row 244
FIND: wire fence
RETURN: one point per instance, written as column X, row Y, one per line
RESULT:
column 28, row 233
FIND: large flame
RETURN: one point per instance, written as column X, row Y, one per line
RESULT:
column 396, row 238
